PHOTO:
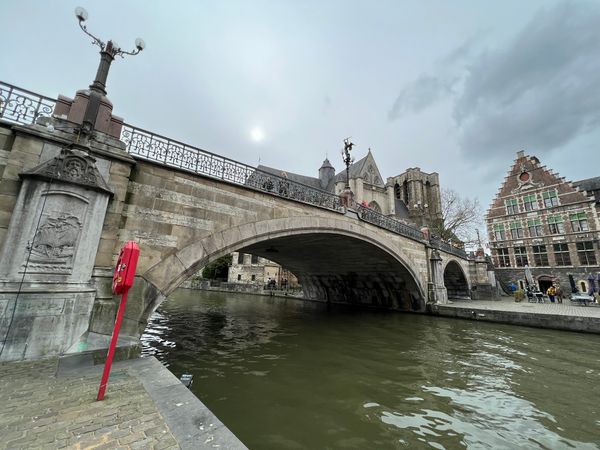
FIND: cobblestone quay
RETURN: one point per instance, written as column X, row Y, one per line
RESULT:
column 51, row 404
column 558, row 316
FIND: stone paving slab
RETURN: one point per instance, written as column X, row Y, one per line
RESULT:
column 51, row 404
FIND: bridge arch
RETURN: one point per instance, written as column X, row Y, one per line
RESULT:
column 455, row 280
column 399, row 287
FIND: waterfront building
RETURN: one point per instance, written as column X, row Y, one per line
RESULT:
column 540, row 220
column 254, row 270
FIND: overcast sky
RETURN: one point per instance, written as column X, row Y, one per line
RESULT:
column 455, row 87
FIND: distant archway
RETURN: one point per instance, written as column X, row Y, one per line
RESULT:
column 456, row 281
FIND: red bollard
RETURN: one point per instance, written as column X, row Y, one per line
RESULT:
column 123, row 279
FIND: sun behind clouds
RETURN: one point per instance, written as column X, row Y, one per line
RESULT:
column 257, row 134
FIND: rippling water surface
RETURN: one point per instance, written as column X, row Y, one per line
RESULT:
column 284, row 374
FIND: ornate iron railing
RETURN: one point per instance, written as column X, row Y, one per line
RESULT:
column 382, row 221
column 445, row 247
column 23, row 106
column 153, row 147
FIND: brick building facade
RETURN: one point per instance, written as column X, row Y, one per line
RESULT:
column 539, row 219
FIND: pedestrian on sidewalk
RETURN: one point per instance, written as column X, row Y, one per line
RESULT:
column 559, row 293
column 551, row 292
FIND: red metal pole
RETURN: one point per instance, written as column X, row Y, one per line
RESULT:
column 113, row 344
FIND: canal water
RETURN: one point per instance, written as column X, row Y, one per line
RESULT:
column 287, row 374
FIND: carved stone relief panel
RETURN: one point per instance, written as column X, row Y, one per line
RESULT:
column 56, row 233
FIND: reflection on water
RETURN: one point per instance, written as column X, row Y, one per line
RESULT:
column 284, row 374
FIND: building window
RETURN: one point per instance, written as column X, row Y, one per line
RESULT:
column 535, row 227
column 540, row 256
column 561, row 255
column 239, row 277
column 579, row 221
column 530, row 202
column 585, row 251
column 374, row 206
column 555, row 223
column 520, row 256
column 503, row 259
column 254, row 259
column 499, row 232
column 240, row 258
column 253, row 277
column 511, row 206
column 516, row 230
column 550, row 199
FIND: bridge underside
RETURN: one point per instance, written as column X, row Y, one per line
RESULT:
column 341, row 269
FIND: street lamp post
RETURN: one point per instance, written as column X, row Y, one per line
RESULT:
column 108, row 51
column 347, row 196
column 348, row 160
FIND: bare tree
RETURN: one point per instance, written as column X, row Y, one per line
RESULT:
column 461, row 217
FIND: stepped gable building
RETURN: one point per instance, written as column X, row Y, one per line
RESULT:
column 539, row 219
column 413, row 196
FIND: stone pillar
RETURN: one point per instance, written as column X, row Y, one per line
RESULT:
column 48, row 256
column 436, row 288
column 483, row 282
column 347, row 197
column 391, row 197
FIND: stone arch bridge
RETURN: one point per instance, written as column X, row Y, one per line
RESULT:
column 66, row 208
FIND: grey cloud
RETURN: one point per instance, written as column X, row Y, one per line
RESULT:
column 428, row 89
column 538, row 93
column 422, row 93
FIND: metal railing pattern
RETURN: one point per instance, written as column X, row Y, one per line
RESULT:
column 144, row 144
column 25, row 107
column 376, row 218
column 445, row 247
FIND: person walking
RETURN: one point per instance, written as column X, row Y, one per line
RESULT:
column 559, row 293
column 551, row 292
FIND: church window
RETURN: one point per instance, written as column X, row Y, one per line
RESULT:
column 540, row 255
column 535, row 227
column 516, row 230
column 556, row 225
column 520, row 256
column 397, row 191
column 561, row 255
column 550, row 199
column 579, row 222
column 511, row 206
column 499, row 232
column 586, row 254
column 375, row 206
column 530, row 202
column 503, row 258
